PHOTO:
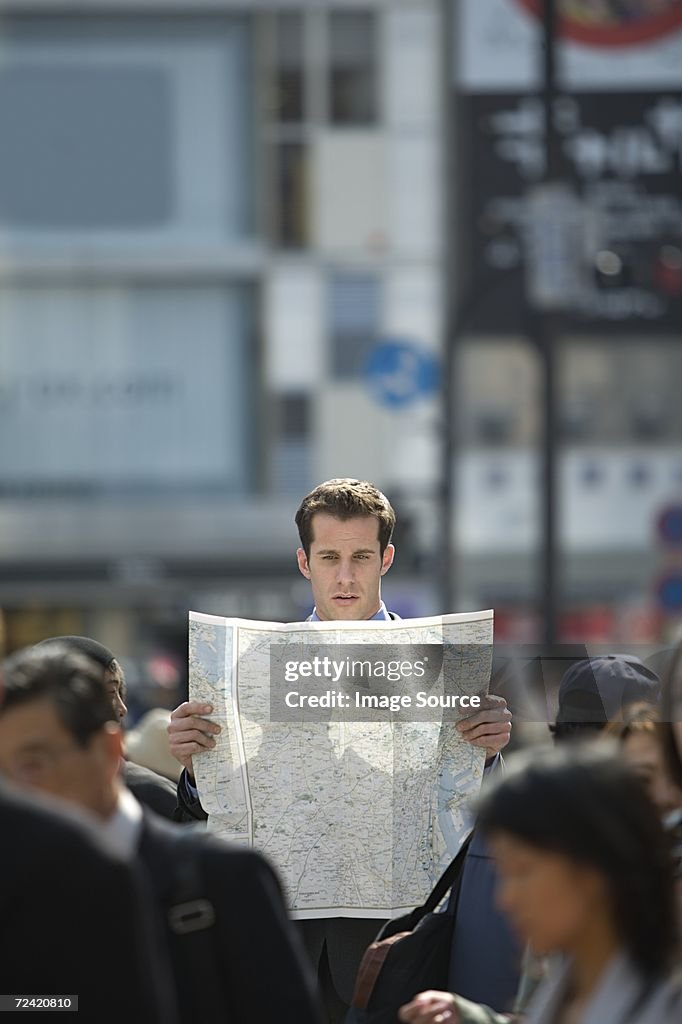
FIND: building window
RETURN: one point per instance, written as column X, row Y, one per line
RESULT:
column 110, row 387
column 76, row 157
column 354, row 319
column 126, row 130
column 292, row 218
column 294, row 416
column 320, row 70
column 289, row 85
column 353, row 68
column 292, row 455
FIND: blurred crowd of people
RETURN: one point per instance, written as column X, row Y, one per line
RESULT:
column 567, row 909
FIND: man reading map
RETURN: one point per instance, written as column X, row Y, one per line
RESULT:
column 345, row 528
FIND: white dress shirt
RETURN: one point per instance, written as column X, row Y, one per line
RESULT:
column 122, row 831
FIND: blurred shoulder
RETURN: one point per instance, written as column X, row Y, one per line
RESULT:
column 226, row 866
column 37, row 825
column 150, row 788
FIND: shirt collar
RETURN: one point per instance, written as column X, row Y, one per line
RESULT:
column 381, row 614
column 122, row 830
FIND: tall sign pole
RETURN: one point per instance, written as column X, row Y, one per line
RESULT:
column 447, row 565
column 545, row 331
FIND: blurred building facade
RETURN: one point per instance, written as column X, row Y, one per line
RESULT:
column 210, row 215
column 225, row 254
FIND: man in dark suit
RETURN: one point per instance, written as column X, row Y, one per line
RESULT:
column 234, row 955
column 150, row 788
column 75, row 919
column 345, row 528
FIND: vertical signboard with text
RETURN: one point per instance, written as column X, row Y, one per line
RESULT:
column 619, row 123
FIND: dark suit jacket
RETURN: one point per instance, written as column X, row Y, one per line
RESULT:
column 188, row 806
column 151, row 789
column 259, row 965
column 75, row 920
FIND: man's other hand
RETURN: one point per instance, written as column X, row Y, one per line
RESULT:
column 490, row 727
column 189, row 734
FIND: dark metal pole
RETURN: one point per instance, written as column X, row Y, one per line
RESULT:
column 546, row 337
column 447, row 549
column 546, row 328
column 549, row 89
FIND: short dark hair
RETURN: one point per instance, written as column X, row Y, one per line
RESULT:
column 585, row 803
column 85, row 644
column 345, row 498
column 93, row 649
column 74, row 683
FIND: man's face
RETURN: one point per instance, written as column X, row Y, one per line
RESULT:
column 116, row 689
column 38, row 752
column 345, row 566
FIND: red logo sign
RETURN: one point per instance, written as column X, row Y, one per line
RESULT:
column 612, row 23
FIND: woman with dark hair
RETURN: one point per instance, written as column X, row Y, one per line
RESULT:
column 585, row 872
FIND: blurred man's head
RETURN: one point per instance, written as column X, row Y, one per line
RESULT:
column 58, row 730
column 594, row 692
column 113, row 673
column 345, row 527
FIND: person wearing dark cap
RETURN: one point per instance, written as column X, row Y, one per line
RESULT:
column 594, row 692
column 150, row 788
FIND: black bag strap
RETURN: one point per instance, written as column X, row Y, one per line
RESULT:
column 191, row 917
column 189, row 910
column 451, row 875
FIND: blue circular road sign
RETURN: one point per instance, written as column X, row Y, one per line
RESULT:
column 399, row 372
column 669, row 592
column 670, row 525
